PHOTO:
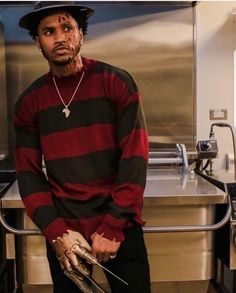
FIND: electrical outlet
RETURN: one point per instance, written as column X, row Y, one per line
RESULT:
column 218, row 114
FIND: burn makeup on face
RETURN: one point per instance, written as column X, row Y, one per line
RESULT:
column 57, row 31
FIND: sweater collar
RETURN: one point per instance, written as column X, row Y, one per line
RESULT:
column 71, row 80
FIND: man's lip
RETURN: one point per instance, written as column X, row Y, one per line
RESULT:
column 61, row 49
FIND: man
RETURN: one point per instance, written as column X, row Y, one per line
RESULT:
column 84, row 118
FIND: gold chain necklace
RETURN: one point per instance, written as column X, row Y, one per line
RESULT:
column 66, row 110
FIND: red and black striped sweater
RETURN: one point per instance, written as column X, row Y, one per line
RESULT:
column 95, row 159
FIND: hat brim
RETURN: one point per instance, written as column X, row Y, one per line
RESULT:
column 29, row 20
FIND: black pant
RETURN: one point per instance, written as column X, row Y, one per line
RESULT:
column 131, row 264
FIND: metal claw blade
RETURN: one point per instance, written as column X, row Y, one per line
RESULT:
column 111, row 273
column 84, row 254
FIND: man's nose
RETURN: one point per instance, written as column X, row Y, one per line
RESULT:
column 59, row 36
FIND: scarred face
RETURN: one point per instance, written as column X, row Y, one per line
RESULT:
column 59, row 38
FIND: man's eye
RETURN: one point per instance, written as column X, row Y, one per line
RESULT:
column 48, row 32
column 67, row 28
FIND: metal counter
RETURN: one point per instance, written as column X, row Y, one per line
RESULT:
column 164, row 187
column 179, row 262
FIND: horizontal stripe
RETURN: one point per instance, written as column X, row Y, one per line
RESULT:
column 85, row 226
column 83, row 113
column 72, row 208
column 128, row 195
column 34, row 201
column 97, row 183
column 135, row 144
column 112, row 228
column 77, row 142
column 30, row 182
column 56, row 228
column 117, row 72
column 133, row 170
column 132, row 117
column 115, row 223
column 110, row 87
column 37, row 84
column 83, row 192
column 119, row 212
column 86, row 168
column 26, row 138
column 27, row 159
column 44, row 216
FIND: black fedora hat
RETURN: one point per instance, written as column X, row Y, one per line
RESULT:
column 42, row 8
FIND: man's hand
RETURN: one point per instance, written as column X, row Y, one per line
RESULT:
column 102, row 248
column 68, row 251
column 73, row 253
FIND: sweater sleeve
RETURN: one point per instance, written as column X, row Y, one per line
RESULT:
column 33, row 185
column 127, row 196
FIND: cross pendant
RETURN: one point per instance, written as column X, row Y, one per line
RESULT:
column 66, row 111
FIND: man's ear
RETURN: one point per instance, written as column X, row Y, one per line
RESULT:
column 37, row 43
column 81, row 36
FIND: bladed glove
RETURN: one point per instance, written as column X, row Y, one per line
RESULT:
column 70, row 249
column 65, row 247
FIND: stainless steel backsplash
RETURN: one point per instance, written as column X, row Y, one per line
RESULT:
column 153, row 41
